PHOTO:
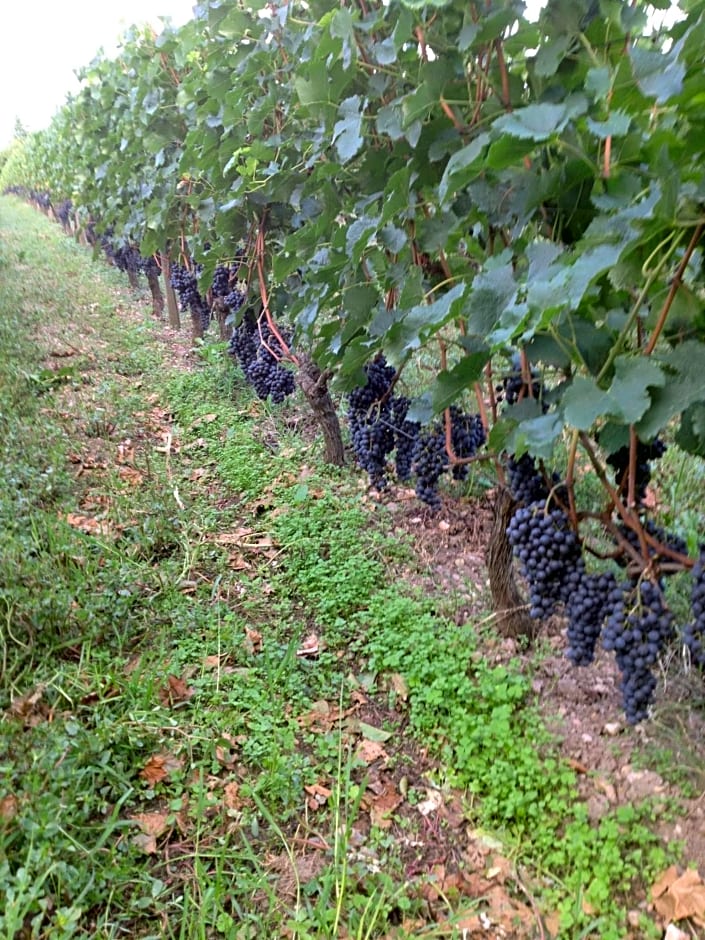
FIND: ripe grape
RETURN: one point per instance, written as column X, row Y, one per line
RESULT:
column 637, row 629
column 549, row 552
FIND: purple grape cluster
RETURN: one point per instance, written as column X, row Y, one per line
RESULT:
column 526, row 483
column 637, row 629
column 258, row 352
column 371, row 420
column 185, row 283
column 379, row 426
column 549, row 552
column 587, row 605
column 430, row 462
column 467, row 435
column 668, row 539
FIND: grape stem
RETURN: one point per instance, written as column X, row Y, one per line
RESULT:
column 259, row 254
column 675, row 284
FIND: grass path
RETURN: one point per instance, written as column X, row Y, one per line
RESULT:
column 223, row 712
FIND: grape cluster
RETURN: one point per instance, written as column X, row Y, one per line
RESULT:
column 149, row 266
column 526, row 483
column 371, row 420
column 430, row 461
column 406, row 434
column 587, row 606
column 236, row 297
column 513, row 388
column 185, row 283
column 379, row 426
column 645, row 453
column 637, row 629
column 467, row 435
column 220, row 285
column 694, row 633
column 124, row 256
column 549, row 551
column 63, row 212
column 258, row 352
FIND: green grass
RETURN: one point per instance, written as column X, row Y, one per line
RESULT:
column 150, row 668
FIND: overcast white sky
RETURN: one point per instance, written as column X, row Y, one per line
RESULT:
column 42, row 43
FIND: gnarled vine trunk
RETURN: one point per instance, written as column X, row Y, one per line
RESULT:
column 513, row 618
column 314, row 384
column 156, row 291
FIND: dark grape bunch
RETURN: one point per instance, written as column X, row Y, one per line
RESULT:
column 694, row 633
column 64, row 211
column 645, row 453
column 149, row 266
column 185, row 283
column 379, row 427
column 258, row 352
column 526, row 483
column 430, row 458
column 430, row 461
column 586, row 606
column 370, row 417
column 220, row 285
column 637, row 629
column 514, row 389
column 405, row 436
column 467, row 435
column 549, row 551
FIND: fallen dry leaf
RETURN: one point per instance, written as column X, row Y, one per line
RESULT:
column 125, row 453
column 130, row 475
column 227, row 748
column 176, row 691
column 380, row 807
column 9, row 807
column 681, row 897
column 370, row 751
column 25, row 705
column 159, row 767
column 432, row 803
column 89, row 524
column 399, row 685
column 231, row 796
column 310, row 647
column 253, row 641
column 152, row 826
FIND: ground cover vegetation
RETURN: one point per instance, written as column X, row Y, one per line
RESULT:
column 472, row 242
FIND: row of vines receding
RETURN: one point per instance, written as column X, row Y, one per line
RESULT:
column 483, row 231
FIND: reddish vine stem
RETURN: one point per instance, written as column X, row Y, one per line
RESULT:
column 490, row 391
column 607, row 157
column 481, row 409
column 631, row 478
column 259, row 251
column 423, row 50
column 451, row 115
column 526, row 373
column 629, row 517
column 675, row 284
